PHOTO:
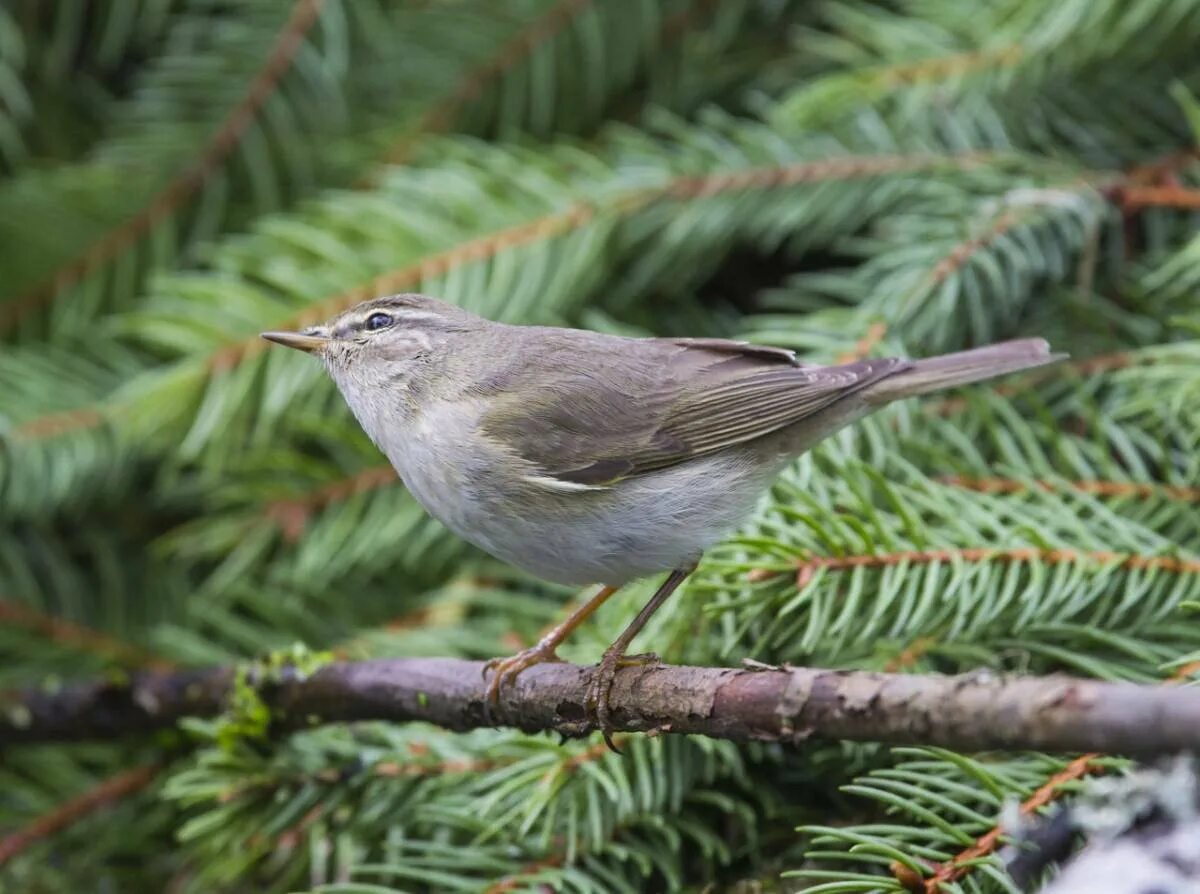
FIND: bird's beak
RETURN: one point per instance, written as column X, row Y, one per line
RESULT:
column 308, row 342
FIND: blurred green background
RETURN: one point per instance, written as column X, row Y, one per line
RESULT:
column 843, row 178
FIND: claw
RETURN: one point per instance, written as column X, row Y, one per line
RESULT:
column 490, row 665
column 506, row 669
column 599, row 688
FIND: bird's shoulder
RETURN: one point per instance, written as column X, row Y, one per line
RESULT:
column 587, row 359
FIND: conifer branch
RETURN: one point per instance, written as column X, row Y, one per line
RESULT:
column 103, row 795
column 1137, row 197
column 875, row 333
column 806, row 569
column 76, row 636
column 291, row 515
column 1184, row 672
column 514, row 882
column 546, row 227
column 184, row 185
column 958, row 257
column 440, row 117
column 54, row 424
column 790, row 705
column 410, row 770
column 559, row 223
column 961, row 864
column 910, row 655
column 1058, row 784
column 409, row 276
column 1164, row 168
column 507, row 56
column 949, row 67
column 1098, row 488
column 1102, row 363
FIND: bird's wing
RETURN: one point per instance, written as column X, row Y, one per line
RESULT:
column 586, row 416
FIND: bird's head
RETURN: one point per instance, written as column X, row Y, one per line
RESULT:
column 377, row 351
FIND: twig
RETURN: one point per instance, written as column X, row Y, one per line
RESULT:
column 941, row 68
column 954, row 869
column 513, row 882
column 292, row 515
column 106, row 793
column 962, row 253
column 911, row 654
column 965, row 713
column 1099, row 488
column 875, row 333
column 806, row 569
column 850, row 167
column 1137, row 197
column 53, row 424
column 1163, row 170
column 110, row 709
column 76, row 636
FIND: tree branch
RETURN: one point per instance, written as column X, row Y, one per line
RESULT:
column 76, row 636
column 102, row 796
column 967, row 713
column 548, row 226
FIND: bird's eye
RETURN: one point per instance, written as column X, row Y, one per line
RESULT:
column 378, row 321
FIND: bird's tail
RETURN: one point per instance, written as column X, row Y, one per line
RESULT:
column 962, row 368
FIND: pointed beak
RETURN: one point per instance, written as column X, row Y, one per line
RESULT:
column 308, row 342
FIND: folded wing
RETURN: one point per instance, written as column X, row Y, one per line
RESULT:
column 600, row 416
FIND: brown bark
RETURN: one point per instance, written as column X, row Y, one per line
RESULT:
column 967, row 713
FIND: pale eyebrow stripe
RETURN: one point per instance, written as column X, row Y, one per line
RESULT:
column 400, row 313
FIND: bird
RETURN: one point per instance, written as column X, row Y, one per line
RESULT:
column 587, row 458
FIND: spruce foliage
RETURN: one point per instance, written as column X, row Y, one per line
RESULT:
column 842, row 178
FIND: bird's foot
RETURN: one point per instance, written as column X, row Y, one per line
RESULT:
column 600, row 686
column 505, row 670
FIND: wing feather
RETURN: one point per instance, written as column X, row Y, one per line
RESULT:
column 589, row 415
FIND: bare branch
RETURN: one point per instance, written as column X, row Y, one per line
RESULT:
column 966, row 713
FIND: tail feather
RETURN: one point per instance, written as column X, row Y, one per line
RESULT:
column 962, row 368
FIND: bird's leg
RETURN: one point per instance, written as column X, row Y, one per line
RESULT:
column 508, row 668
column 614, row 656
